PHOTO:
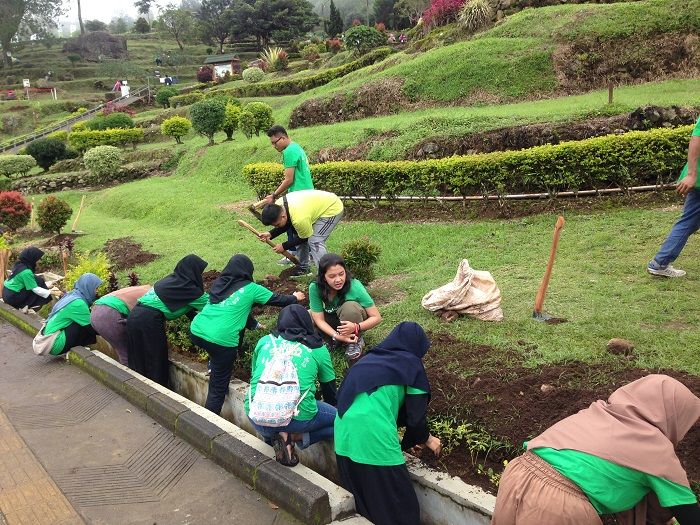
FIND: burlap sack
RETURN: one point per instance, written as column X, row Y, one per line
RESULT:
column 472, row 292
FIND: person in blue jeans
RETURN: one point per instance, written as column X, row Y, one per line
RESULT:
column 313, row 421
column 689, row 222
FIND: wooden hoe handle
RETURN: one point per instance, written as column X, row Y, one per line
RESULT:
column 539, row 300
column 257, row 233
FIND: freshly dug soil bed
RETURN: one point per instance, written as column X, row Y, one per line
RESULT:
column 58, row 240
column 491, row 388
column 125, row 253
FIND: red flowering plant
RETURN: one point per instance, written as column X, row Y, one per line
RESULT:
column 333, row 45
column 380, row 26
column 15, row 211
column 442, row 12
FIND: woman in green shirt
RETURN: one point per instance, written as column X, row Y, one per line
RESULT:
column 615, row 457
column 24, row 289
column 178, row 294
column 220, row 326
column 70, row 316
column 385, row 389
column 340, row 306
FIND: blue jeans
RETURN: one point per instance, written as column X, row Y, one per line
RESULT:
column 687, row 225
column 318, row 428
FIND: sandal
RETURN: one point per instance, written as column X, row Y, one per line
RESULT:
column 284, row 450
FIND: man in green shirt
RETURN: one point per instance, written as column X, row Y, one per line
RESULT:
column 297, row 174
column 688, row 186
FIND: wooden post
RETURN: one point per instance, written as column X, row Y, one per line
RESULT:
column 4, row 263
column 64, row 260
column 610, row 91
column 75, row 222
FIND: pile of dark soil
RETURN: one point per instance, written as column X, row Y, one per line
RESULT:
column 59, row 240
column 491, row 388
column 125, row 253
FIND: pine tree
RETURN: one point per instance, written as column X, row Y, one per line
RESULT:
column 335, row 24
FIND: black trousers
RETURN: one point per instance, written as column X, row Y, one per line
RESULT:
column 221, row 360
column 383, row 495
column 77, row 335
column 26, row 297
column 147, row 344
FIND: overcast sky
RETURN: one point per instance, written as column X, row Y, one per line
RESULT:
column 98, row 9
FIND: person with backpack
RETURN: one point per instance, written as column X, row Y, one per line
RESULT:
column 385, row 389
column 178, row 294
column 281, row 401
column 24, row 289
column 340, row 306
column 219, row 327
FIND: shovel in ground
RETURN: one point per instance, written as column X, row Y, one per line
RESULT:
column 537, row 313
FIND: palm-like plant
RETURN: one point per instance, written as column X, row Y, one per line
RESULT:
column 275, row 57
column 475, row 14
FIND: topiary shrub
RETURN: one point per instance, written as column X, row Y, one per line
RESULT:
column 311, row 52
column 84, row 140
column 46, row 152
column 85, row 263
column 208, row 117
column 360, row 255
column 176, row 127
column 253, row 74
column 164, row 94
column 79, row 126
column 258, row 118
column 15, row 211
column 53, row 214
column 102, row 160
column 16, row 165
column 186, row 99
column 475, row 14
column 116, row 120
column 246, row 123
column 205, row 74
column 61, row 135
column 363, row 39
column 231, row 120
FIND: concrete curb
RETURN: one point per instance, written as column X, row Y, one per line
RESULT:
column 300, row 491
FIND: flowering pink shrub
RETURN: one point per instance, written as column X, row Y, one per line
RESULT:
column 380, row 26
column 442, row 12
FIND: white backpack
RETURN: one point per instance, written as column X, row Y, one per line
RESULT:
column 277, row 394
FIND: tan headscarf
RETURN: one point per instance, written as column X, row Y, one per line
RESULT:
column 638, row 427
column 131, row 294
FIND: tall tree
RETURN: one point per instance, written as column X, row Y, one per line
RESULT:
column 143, row 6
column 335, row 23
column 177, row 23
column 384, row 12
column 95, row 25
column 216, row 21
column 411, row 9
column 80, row 19
column 29, row 17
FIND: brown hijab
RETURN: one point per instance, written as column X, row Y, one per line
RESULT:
column 638, row 427
column 131, row 294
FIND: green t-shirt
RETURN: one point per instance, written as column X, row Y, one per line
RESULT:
column 367, row 433
column 293, row 156
column 311, row 364
column 613, row 488
column 356, row 292
column 113, row 302
column 222, row 322
column 24, row 280
column 151, row 299
column 695, row 133
column 77, row 311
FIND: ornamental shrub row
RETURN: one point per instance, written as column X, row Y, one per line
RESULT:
column 626, row 160
column 84, row 140
column 299, row 85
column 186, row 99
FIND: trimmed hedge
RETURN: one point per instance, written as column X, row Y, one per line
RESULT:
column 84, row 140
column 299, row 85
column 16, row 165
column 626, row 160
column 186, row 99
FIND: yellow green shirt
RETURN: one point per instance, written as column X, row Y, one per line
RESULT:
column 356, row 292
column 113, row 302
column 24, row 280
column 77, row 311
column 151, row 299
column 308, row 206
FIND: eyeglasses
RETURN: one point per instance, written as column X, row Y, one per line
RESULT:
column 274, row 142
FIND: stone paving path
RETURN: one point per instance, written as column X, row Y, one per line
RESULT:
column 72, row 452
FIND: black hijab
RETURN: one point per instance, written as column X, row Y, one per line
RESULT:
column 238, row 273
column 184, row 285
column 294, row 324
column 27, row 260
column 395, row 361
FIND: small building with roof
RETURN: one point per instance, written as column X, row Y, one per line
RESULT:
column 224, row 63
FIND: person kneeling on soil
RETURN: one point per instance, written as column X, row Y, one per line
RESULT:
column 311, row 215
column 219, row 327
column 281, row 401
column 385, row 389
column 69, row 318
column 614, row 457
column 340, row 306
column 109, row 314
column 23, row 289
column 178, row 294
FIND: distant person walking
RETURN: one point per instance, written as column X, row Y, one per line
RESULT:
column 688, row 186
column 117, row 86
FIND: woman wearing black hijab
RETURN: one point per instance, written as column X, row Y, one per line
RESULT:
column 178, row 294
column 23, row 288
column 219, row 327
column 385, row 389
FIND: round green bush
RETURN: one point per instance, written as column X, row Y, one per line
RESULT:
column 208, row 117
column 253, row 74
column 176, row 127
column 232, row 115
column 311, row 52
column 16, row 164
column 164, row 94
column 102, row 160
column 53, row 214
column 46, row 151
column 261, row 118
column 363, row 38
column 15, row 211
